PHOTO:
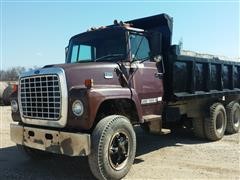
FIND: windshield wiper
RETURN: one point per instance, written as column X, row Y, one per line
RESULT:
column 108, row 56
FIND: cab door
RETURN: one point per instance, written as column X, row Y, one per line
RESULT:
column 147, row 81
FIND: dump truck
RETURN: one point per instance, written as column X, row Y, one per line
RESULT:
column 114, row 78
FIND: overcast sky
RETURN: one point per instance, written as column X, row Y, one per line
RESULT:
column 36, row 32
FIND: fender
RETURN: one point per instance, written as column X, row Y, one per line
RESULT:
column 97, row 96
column 92, row 100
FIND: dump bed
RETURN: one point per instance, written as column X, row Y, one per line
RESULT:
column 190, row 77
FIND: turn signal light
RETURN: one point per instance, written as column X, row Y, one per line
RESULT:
column 15, row 88
column 88, row 83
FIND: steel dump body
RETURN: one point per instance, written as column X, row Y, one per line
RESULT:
column 187, row 76
column 191, row 77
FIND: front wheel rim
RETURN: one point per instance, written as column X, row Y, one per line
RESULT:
column 119, row 149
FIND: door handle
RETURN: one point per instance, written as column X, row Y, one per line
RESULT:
column 159, row 75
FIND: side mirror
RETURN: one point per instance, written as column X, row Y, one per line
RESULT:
column 66, row 53
column 157, row 58
column 159, row 64
column 155, row 40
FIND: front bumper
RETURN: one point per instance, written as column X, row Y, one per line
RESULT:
column 71, row 144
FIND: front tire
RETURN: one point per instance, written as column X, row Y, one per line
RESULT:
column 113, row 148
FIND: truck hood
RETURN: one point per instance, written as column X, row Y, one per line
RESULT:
column 102, row 73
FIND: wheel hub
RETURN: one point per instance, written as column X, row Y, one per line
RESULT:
column 119, row 150
column 220, row 122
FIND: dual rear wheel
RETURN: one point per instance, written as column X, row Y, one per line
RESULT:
column 233, row 117
column 215, row 125
column 221, row 120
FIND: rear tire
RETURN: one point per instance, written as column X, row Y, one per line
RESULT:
column 113, row 148
column 198, row 127
column 215, row 125
column 233, row 117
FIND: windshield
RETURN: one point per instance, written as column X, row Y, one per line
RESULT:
column 99, row 45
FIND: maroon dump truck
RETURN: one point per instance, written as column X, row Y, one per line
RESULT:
column 114, row 78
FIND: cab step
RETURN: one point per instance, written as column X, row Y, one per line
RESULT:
column 152, row 117
column 154, row 122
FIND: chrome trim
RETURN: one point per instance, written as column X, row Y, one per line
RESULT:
column 151, row 100
column 41, row 96
column 62, row 121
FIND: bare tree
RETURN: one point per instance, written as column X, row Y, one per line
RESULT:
column 13, row 73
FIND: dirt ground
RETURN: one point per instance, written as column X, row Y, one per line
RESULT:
column 177, row 155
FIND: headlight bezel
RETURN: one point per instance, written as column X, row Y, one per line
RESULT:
column 76, row 110
column 14, row 106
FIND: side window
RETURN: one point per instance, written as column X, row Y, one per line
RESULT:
column 82, row 53
column 85, row 52
column 139, row 47
column 74, row 55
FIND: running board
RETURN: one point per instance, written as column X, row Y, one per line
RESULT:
column 155, row 124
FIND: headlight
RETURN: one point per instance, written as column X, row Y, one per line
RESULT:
column 77, row 108
column 14, row 106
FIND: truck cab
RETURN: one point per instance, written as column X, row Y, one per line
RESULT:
column 133, row 65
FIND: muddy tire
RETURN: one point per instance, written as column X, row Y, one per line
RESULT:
column 113, row 148
column 233, row 117
column 34, row 154
column 198, row 127
column 215, row 125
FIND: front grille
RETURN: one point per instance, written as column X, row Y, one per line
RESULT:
column 40, row 97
